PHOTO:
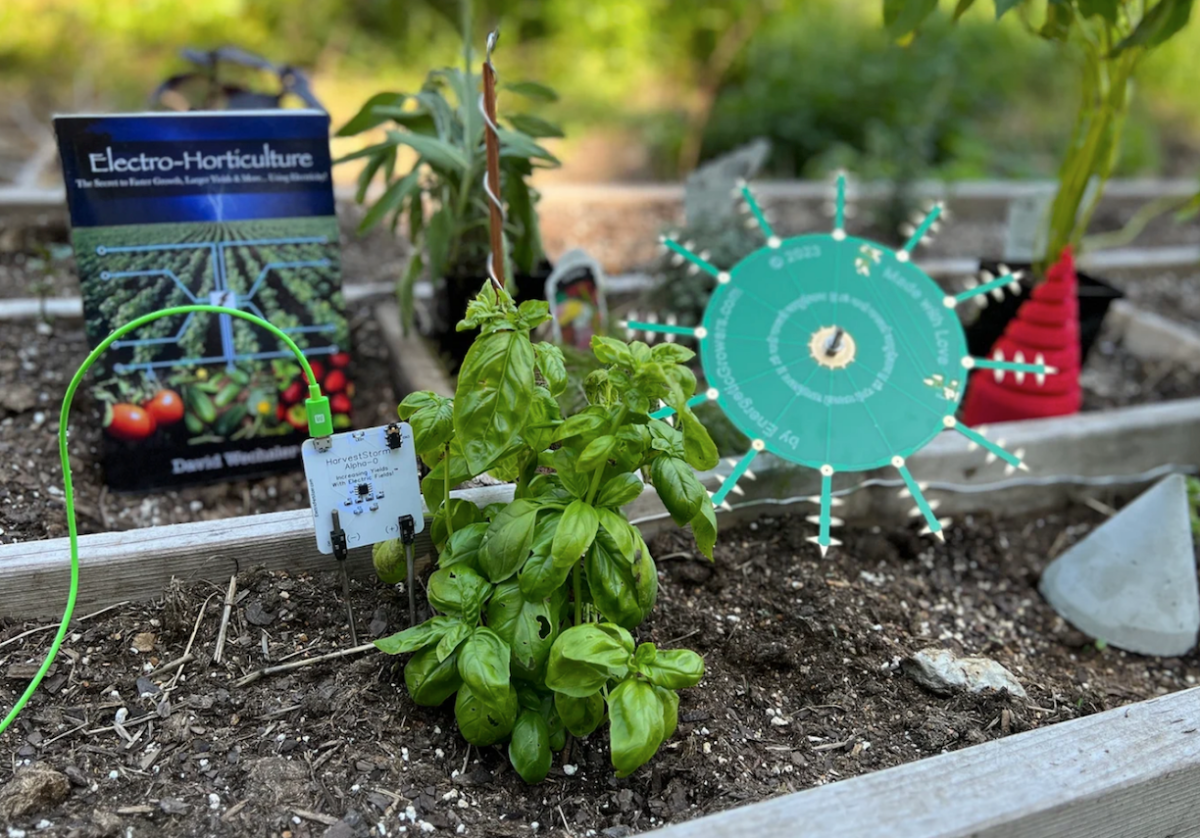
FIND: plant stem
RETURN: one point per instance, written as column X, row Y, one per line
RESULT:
column 446, row 499
column 577, row 584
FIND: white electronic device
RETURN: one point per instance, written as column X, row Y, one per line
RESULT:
column 364, row 487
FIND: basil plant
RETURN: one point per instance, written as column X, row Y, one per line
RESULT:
column 535, row 600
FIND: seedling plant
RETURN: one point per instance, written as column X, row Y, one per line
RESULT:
column 536, row 599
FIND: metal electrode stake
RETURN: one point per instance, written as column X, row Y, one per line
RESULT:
column 491, row 181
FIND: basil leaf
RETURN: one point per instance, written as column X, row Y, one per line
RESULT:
column 674, row 669
column 430, row 681
column 483, row 665
column 580, row 716
column 611, row 351
column 552, row 367
column 528, row 627
column 671, row 353
column 645, row 578
column 571, row 677
column 452, row 639
column 463, row 547
column 704, row 529
column 620, row 490
column 591, row 419
column 462, row 513
column 495, row 386
column 670, row 703
column 575, row 532
column 612, row 586
column 458, row 591
column 415, row 637
column 699, row 450
column 678, row 488
column 432, row 425
column 509, row 540
column 636, row 717
column 614, row 525
column 600, row 644
column 480, row 723
column 541, row 576
column 595, row 454
column 529, row 750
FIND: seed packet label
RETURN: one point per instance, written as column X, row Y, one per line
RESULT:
column 227, row 209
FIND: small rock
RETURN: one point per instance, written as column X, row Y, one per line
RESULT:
column 35, row 789
column 940, row 671
column 173, row 806
column 617, row 832
column 341, row 829
column 18, row 398
column 144, row 641
column 256, row 615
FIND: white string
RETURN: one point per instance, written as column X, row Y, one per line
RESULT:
column 971, row 489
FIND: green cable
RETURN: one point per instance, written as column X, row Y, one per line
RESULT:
column 320, row 424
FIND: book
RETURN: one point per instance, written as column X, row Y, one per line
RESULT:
column 225, row 208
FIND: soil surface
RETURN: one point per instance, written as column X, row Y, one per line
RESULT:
column 803, row 687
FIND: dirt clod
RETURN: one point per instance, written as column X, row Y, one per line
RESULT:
column 32, row 791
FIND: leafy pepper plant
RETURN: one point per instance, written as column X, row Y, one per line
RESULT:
column 536, row 599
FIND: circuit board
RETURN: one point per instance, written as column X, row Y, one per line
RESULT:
column 361, row 484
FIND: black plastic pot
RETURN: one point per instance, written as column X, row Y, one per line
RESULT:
column 1095, row 296
column 451, row 296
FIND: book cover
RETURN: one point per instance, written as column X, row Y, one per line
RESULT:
column 230, row 209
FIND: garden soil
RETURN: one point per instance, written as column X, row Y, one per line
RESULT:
column 803, row 687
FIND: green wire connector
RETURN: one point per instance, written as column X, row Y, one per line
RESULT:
column 320, row 424
column 320, row 420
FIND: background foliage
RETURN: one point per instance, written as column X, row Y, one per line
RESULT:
column 654, row 84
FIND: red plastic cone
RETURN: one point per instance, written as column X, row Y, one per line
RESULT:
column 1045, row 328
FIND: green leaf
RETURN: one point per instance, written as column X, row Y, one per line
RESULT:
column 459, row 592
column 580, row 716
column 532, row 90
column 509, row 540
column 1003, row 7
column 495, row 384
column 483, row 665
column 677, row 486
column 534, row 126
column 432, row 424
column 616, row 527
column 452, row 640
column 529, row 750
column 541, row 576
column 620, row 490
column 527, row 249
column 552, row 367
column 1159, row 25
column 480, row 723
column 575, row 532
column 962, row 7
column 670, row 703
column 385, row 160
column 516, row 144
column 366, row 117
column 704, row 529
column 1059, row 17
column 611, row 351
column 436, row 152
column 463, row 547
column 390, row 560
column 699, row 450
column 585, row 657
column 439, row 232
column 901, row 17
column 612, row 585
column 671, row 353
column 430, row 681
column 645, row 578
column 528, row 627
column 543, row 422
column 462, row 514
column 392, row 200
column 416, row 637
column 590, row 420
column 573, row 678
column 595, row 453
column 636, row 728
column 1107, row 9
column 674, row 669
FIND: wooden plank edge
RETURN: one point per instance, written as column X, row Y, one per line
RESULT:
column 414, row 366
column 1131, row 771
column 139, row 563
